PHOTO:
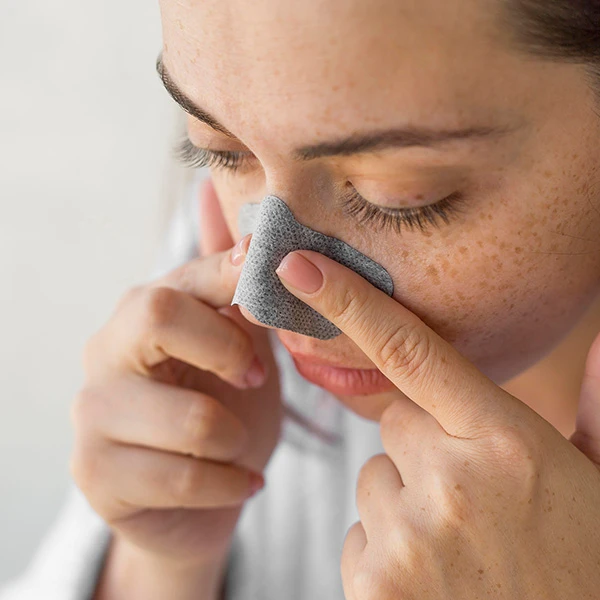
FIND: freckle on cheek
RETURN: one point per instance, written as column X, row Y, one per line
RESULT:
column 432, row 272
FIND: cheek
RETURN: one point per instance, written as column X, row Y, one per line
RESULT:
column 514, row 283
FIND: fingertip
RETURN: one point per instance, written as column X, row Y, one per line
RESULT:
column 256, row 483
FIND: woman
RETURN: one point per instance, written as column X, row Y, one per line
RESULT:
column 458, row 145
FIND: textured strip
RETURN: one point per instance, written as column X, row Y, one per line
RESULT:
column 276, row 233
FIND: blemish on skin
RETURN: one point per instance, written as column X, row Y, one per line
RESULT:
column 458, row 487
column 463, row 250
column 433, row 273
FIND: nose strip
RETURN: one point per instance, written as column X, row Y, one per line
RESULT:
column 275, row 233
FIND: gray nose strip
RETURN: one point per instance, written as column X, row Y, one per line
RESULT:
column 275, row 233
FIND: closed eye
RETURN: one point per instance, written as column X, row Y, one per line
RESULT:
column 193, row 157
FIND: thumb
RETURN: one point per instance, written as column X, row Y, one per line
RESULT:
column 214, row 233
column 587, row 425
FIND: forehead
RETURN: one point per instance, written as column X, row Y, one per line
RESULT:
column 269, row 64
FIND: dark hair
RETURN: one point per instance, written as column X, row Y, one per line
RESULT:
column 567, row 30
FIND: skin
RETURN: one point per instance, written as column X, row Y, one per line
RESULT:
column 511, row 276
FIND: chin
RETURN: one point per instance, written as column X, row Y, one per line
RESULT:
column 369, row 407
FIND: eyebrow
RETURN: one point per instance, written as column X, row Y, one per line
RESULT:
column 188, row 105
column 405, row 137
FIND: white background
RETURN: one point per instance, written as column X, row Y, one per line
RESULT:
column 85, row 132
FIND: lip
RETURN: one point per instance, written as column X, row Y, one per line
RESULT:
column 342, row 381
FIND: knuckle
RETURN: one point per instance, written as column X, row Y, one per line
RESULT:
column 516, row 451
column 238, row 351
column 372, row 582
column 390, row 423
column 401, row 544
column 450, row 499
column 160, row 305
column 200, row 421
column 370, row 469
column 185, row 481
column 403, row 350
column 347, row 305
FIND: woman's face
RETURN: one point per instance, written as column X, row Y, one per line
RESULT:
column 390, row 104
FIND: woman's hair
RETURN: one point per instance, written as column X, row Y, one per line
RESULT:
column 566, row 30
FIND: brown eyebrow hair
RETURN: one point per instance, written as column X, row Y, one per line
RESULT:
column 359, row 143
column 188, row 105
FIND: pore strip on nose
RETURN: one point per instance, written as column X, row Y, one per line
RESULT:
column 275, row 233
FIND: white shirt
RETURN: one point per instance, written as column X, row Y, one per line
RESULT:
column 289, row 538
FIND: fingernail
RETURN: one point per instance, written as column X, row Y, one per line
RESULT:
column 239, row 251
column 255, row 376
column 257, row 482
column 300, row 273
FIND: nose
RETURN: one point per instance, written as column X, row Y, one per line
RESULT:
column 259, row 290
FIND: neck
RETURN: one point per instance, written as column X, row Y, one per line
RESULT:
column 551, row 387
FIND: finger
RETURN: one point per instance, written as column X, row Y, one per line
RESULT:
column 212, row 278
column 418, row 361
column 378, row 495
column 161, row 323
column 214, row 233
column 587, row 424
column 407, row 431
column 153, row 479
column 354, row 546
column 137, row 411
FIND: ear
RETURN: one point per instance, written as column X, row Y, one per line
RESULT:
column 587, row 427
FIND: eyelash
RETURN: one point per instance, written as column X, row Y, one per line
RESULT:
column 196, row 158
column 421, row 217
column 355, row 205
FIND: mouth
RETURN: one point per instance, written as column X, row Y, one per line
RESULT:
column 342, row 381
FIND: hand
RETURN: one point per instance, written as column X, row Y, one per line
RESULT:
column 476, row 495
column 170, row 437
